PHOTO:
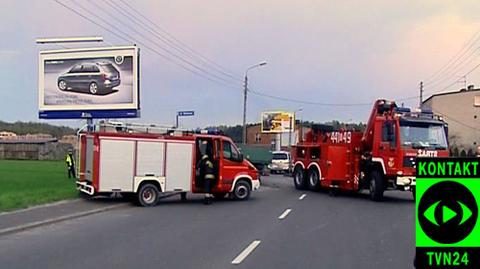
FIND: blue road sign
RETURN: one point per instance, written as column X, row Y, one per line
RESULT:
column 185, row 113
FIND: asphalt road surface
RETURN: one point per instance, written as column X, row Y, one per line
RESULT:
column 274, row 229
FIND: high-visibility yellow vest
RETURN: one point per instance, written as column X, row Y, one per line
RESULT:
column 69, row 160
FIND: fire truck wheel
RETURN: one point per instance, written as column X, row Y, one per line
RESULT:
column 147, row 195
column 376, row 186
column 414, row 193
column 299, row 178
column 313, row 179
column 242, row 190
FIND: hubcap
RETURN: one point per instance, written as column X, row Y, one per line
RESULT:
column 93, row 88
column 148, row 196
column 241, row 191
column 62, row 85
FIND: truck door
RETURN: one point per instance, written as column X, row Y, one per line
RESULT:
column 231, row 162
column 387, row 148
column 205, row 146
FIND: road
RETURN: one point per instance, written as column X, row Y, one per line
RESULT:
column 319, row 231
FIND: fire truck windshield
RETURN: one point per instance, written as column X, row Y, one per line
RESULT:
column 422, row 135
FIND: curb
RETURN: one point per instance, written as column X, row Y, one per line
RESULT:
column 58, row 219
column 40, row 206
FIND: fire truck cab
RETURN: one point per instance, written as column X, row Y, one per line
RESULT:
column 380, row 158
column 150, row 166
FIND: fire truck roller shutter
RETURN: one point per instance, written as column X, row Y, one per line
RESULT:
column 150, row 158
column 116, row 165
column 179, row 166
column 299, row 176
column 89, row 159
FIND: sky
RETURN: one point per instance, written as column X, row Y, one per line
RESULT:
column 331, row 52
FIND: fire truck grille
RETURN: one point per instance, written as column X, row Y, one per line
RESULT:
column 409, row 162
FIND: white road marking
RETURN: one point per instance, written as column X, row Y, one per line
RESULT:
column 246, row 252
column 302, row 197
column 285, row 213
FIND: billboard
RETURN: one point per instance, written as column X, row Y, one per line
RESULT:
column 277, row 122
column 98, row 82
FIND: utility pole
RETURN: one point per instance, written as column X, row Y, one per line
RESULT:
column 245, row 90
column 421, row 94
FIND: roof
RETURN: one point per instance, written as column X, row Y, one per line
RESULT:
column 449, row 93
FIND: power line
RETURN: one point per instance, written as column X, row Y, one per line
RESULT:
column 466, row 47
column 199, row 69
column 455, row 69
column 172, row 39
column 457, row 81
column 130, row 39
column 164, row 39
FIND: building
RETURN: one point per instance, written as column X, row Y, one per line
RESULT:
column 7, row 135
column 256, row 137
column 461, row 110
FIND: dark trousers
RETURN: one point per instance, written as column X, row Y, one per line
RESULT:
column 71, row 171
column 208, row 185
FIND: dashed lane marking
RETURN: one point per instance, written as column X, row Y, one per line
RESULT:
column 246, row 252
column 285, row 213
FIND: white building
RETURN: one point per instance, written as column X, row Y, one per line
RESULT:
column 461, row 110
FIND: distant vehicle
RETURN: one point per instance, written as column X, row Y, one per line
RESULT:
column 90, row 77
column 281, row 162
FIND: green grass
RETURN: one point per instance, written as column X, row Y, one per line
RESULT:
column 28, row 183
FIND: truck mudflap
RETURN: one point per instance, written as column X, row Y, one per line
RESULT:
column 83, row 186
column 256, row 184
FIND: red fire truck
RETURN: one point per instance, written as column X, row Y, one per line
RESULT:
column 380, row 158
column 149, row 166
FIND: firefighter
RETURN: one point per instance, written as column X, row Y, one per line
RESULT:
column 70, row 161
column 207, row 172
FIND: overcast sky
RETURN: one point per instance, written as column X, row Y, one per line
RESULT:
column 319, row 51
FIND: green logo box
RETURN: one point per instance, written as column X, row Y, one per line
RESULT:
column 448, row 198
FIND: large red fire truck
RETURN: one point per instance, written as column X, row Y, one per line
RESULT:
column 148, row 166
column 381, row 158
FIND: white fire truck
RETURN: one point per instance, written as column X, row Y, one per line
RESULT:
column 149, row 166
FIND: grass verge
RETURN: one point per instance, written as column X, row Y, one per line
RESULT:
column 28, row 183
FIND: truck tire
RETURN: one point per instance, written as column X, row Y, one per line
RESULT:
column 377, row 186
column 147, row 195
column 299, row 178
column 414, row 192
column 313, row 179
column 242, row 190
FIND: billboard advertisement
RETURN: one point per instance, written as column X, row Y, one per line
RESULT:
column 99, row 81
column 277, row 122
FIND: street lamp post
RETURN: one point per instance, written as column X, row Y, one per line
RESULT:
column 245, row 90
